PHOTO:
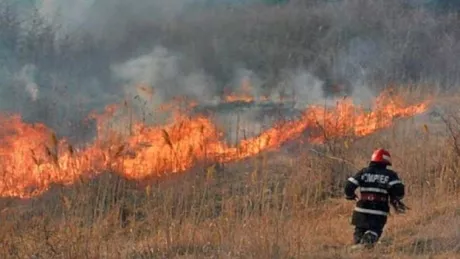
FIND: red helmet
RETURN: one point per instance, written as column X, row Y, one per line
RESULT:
column 381, row 156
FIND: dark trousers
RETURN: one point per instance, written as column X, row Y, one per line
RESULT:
column 368, row 227
column 366, row 235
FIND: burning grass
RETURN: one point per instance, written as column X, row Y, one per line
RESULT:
column 274, row 204
column 33, row 158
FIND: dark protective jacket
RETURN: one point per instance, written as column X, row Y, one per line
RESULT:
column 378, row 186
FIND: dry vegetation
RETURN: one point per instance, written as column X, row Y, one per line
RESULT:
column 282, row 204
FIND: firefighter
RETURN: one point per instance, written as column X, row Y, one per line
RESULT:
column 379, row 188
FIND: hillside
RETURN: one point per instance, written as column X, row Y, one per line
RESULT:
column 172, row 129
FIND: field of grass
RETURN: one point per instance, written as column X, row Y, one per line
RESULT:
column 282, row 203
column 286, row 203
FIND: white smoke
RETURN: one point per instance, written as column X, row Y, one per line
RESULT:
column 67, row 15
column 161, row 73
column 108, row 18
column 306, row 88
column 25, row 78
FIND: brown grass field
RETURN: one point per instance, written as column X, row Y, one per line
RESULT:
column 286, row 203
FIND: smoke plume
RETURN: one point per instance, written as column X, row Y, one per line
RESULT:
column 62, row 59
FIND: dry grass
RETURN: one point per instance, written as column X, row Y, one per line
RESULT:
column 283, row 204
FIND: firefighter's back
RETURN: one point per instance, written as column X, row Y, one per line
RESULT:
column 373, row 188
column 376, row 184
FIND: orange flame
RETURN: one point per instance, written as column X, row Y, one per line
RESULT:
column 244, row 95
column 31, row 157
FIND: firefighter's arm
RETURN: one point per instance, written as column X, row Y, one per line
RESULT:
column 396, row 188
column 350, row 186
column 396, row 191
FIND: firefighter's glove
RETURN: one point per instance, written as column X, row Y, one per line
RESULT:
column 398, row 206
